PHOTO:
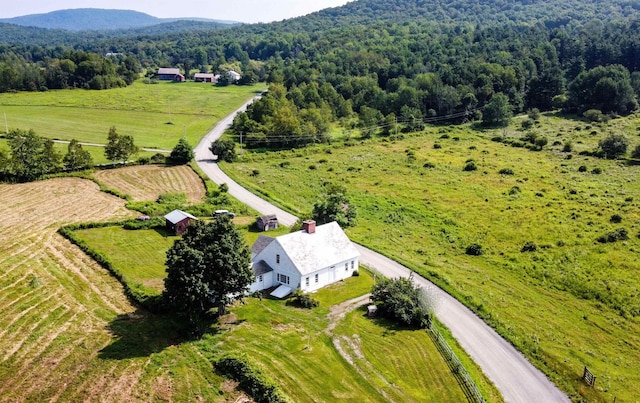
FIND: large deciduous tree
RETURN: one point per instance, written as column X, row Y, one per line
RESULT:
column 607, row 89
column 119, row 148
column 209, row 266
column 76, row 157
column 497, row 112
column 335, row 206
column 224, row 149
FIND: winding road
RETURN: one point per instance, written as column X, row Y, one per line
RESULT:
column 508, row 369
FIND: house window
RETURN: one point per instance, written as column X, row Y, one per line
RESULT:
column 316, row 278
column 283, row 279
column 260, row 278
column 352, row 265
column 306, row 282
column 278, row 259
column 346, row 266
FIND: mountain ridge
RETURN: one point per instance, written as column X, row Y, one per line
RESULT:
column 98, row 19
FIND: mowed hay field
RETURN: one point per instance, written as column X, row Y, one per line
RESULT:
column 67, row 332
column 147, row 182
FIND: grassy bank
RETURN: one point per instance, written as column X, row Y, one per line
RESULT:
column 568, row 301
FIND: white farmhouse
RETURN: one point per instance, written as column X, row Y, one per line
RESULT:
column 308, row 259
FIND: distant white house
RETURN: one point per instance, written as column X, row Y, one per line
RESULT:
column 234, row 76
column 308, row 259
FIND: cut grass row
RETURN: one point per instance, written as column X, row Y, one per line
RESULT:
column 566, row 305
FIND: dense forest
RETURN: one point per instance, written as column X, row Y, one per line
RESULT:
column 383, row 62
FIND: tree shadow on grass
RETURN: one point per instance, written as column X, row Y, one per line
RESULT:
column 140, row 334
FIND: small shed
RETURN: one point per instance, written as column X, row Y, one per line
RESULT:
column 267, row 222
column 177, row 221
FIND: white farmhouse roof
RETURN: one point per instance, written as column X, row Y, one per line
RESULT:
column 176, row 216
column 203, row 75
column 327, row 246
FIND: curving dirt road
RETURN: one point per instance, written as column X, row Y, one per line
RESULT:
column 513, row 375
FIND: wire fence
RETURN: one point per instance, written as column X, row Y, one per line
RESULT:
column 459, row 371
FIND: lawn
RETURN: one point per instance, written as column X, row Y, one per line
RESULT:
column 566, row 305
column 156, row 115
column 295, row 349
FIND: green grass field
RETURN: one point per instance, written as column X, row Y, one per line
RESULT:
column 156, row 115
column 573, row 302
column 140, row 254
column 276, row 335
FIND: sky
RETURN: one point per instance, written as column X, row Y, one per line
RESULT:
column 249, row 11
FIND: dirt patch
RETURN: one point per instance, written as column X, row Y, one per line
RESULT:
column 147, row 182
column 339, row 311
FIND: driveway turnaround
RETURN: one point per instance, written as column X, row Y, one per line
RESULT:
column 513, row 375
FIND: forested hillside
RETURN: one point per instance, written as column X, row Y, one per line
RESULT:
column 402, row 61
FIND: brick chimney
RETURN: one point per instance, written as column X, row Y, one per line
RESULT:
column 309, row 226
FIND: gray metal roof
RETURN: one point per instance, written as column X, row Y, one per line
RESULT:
column 176, row 216
column 261, row 267
column 262, row 242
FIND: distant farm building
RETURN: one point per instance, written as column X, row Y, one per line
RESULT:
column 204, row 78
column 177, row 221
column 169, row 74
column 267, row 222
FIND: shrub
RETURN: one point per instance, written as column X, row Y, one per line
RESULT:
column 527, row 124
column 506, row 171
column 474, row 250
column 616, row 219
column 437, row 146
column 529, row 247
column 636, row 152
column 582, row 168
column 429, row 165
column 620, row 234
column 356, row 273
column 514, row 191
column 594, row 115
column 568, row 147
column 158, row 158
column 534, row 114
column 302, row 300
column 251, row 378
column 144, row 160
column 596, row 171
column 255, row 172
column 470, row 166
column 399, row 299
column 614, row 146
column 285, row 164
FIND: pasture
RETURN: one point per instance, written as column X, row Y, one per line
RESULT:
column 570, row 302
column 156, row 115
column 70, row 334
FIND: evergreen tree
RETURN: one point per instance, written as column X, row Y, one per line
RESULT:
column 182, row 153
